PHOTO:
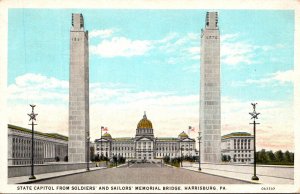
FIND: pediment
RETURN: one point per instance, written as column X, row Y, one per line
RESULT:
column 188, row 140
column 144, row 139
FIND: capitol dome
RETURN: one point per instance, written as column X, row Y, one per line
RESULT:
column 106, row 136
column 144, row 123
column 183, row 135
column 144, row 128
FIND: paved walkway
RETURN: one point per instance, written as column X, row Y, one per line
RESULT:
column 146, row 173
column 226, row 175
column 25, row 179
column 273, row 178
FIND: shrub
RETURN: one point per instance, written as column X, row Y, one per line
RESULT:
column 57, row 159
column 66, row 159
column 166, row 159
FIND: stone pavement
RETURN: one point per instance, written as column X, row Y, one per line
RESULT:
column 142, row 173
column 279, row 175
column 45, row 176
column 276, row 175
column 24, row 179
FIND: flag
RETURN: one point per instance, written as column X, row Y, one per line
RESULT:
column 191, row 129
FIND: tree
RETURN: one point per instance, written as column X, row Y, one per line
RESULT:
column 287, row 156
column 271, row 156
column 262, row 156
column 279, row 156
column 121, row 159
column 292, row 157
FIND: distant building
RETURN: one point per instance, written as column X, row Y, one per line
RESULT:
column 144, row 146
column 238, row 147
column 48, row 146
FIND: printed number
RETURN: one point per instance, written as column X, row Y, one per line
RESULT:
column 268, row 188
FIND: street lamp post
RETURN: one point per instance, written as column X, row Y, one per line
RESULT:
column 106, row 155
column 88, row 154
column 254, row 115
column 32, row 119
column 101, row 144
column 199, row 151
column 117, row 161
column 181, row 158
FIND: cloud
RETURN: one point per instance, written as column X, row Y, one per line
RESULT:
column 176, row 48
column 168, row 38
column 236, row 52
column 194, row 68
column 36, row 88
column 101, row 33
column 120, row 107
column 179, row 49
column 121, row 47
column 116, row 106
column 229, row 37
column 283, row 76
column 278, row 78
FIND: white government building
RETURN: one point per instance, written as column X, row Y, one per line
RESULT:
column 239, row 146
column 47, row 146
column 144, row 146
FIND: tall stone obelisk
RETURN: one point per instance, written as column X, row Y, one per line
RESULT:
column 78, row 91
column 210, row 90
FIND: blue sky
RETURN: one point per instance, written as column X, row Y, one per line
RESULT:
column 154, row 55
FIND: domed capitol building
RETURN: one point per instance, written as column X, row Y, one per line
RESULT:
column 145, row 146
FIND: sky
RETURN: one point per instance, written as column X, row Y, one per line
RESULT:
column 149, row 60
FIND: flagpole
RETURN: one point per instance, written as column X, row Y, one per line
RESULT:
column 101, row 144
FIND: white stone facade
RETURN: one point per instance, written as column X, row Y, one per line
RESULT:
column 210, row 90
column 145, row 146
column 239, row 146
column 78, row 91
column 145, row 149
column 47, row 146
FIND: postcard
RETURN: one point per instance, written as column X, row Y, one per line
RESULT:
column 150, row 96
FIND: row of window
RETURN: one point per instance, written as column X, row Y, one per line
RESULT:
column 242, row 147
column 243, row 160
column 21, row 148
column 145, row 131
column 144, row 147
column 149, row 147
column 242, row 151
column 26, row 162
column 76, row 39
column 122, row 148
column 241, row 140
column 242, row 155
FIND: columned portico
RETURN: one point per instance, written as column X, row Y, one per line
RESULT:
column 144, row 149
